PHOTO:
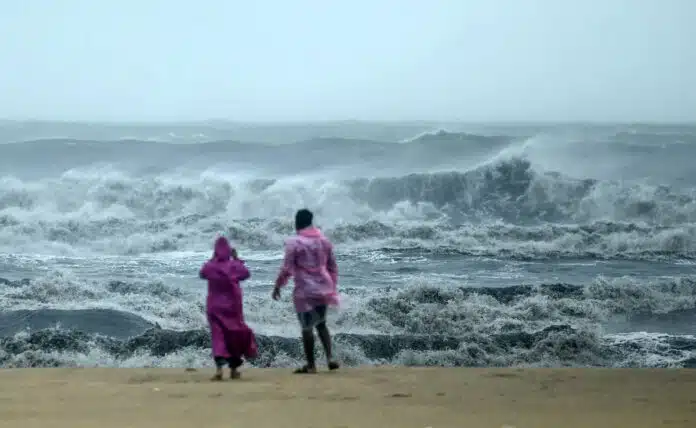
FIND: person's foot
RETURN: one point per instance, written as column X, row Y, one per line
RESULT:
column 234, row 374
column 306, row 370
column 333, row 365
column 217, row 376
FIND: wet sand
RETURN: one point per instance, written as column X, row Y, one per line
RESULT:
column 367, row 397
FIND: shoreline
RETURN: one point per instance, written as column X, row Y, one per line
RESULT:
column 385, row 396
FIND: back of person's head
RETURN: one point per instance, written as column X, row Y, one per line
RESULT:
column 222, row 249
column 303, row 219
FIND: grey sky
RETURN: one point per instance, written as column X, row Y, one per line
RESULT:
column 468, row 60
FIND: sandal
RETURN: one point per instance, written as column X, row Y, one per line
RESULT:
column 334, row 365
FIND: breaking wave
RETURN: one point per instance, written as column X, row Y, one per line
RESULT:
column 501, row 208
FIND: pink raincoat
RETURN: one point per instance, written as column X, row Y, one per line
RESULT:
column 309, row 258
column 231, row 337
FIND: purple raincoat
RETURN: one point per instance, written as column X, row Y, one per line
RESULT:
column 231, row 336
column 309, row 258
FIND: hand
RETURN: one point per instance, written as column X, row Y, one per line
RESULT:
column 276, row 293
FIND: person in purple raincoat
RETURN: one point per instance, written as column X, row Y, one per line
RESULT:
column 309, row 258
column 232, row 339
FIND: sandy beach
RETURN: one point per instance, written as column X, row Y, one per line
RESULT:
column 366, row 397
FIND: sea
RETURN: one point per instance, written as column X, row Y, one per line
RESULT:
column 481, row 245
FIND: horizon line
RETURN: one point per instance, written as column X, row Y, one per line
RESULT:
column 346, row 121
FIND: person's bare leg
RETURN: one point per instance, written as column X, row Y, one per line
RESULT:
column 325, row 338
column 308, row 344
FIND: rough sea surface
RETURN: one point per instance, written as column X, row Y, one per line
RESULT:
column 506, row 245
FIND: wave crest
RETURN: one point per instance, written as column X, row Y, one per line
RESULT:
column 505, row 206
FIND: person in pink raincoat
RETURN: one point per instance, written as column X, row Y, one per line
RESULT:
column 309, row 258
column 232, row 339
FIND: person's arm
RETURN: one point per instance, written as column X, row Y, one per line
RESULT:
column 287, row 268
column 331, row 265
column 205, row 269
column 241, row 271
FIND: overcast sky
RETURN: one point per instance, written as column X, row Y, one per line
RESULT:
column 471, row 60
